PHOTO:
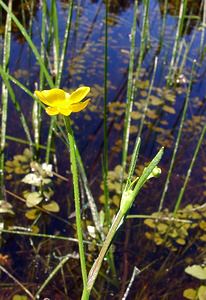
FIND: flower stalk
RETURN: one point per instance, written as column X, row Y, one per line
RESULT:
column 77, row 204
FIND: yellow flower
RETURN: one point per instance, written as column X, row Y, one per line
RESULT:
column 60, row 102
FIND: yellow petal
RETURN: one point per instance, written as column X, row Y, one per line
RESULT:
column 41, row 97
column 79, row 106
column 53, row 97
column 66, row 111
column 52, row 111
column 79, row 94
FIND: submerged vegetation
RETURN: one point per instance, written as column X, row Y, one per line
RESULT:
column 81, row 214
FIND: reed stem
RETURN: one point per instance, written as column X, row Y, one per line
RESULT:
column 77, row 201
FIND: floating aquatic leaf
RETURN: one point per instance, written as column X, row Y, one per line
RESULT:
column 6, row 207
column 162, row 228
column 32, row 214
column 152, row 114
column 52, row 206
column 203, row 237
column 20, row 297
column 33, row 199
column 150, row 223
column 169, row 109
column 180, row 241
column 155, row 100
column 196, row 271
column 190, row 294
column 35, row 228
column 202, row 225
column 32, row 179
column 135, row 115
column 202, row 292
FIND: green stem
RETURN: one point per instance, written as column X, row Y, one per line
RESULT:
column 177, row 141
column 77, row 202
column 105, row 150
column 171, row 73
column 182, row 191
column 129, row 103
column 52, row 274
column 4, row 98
column 98, row 262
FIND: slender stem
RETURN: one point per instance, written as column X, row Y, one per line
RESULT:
column 181, row 18
column 203, row 29
column 177, row 142
column 182, row 191
column 53, row 273
column 17, row 282
column 130, row 99
column 91, row 200
column 49, row 138
column 22, row 118
column 77, row 200
column 162, row 33
column 65, row 42
column 147, row 99
column 4, row 106
column 55, row 34
column 98, row 262
column 105, row 150
column 42, row 235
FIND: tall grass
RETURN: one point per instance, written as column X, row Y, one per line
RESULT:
column 177, row 142
column 5, row 66
column 182, row 12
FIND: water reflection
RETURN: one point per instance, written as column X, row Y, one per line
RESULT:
column 193, row 12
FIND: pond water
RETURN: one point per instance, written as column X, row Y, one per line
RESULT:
column 139, row 243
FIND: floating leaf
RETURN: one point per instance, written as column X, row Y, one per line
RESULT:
column 196, row 271
column 158, row 240
column 52, row 206
column 46, row 181
column 150, row 223
column 135, row 115
column 33, row 199
column 190, row 294
column 155, row 100
column 169, row 109
column 32, row 214
column 202, row 292
column 203, row 238
column 180, row 241
column 32, row 179
column 162, row 228
column 202, row 225
column 35, row 229
column 6, row 208
column 20, row 297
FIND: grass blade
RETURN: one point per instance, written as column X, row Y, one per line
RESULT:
column 182, row 191
column 6, row 56
column 130, row 96
column 65, row 42
column 166, row 185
